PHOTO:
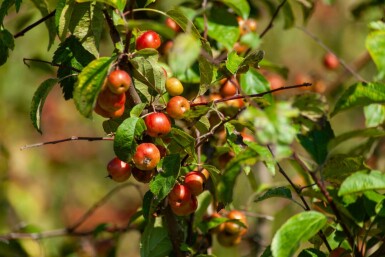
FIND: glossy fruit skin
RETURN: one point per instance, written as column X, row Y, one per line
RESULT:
column 106, row 114
column 182, row 201
column 172, row 24
column 158, row 124
column 234, row 228
column 195, row 181
column 146, row 157
column 109, row 101
column 331, row 61
column 177, row 106
column 143, row 176
column 149, row 39
column 118, row 170
column 174, row 87
column 119, row 81
column 229, row 88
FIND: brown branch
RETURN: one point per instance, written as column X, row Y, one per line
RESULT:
column 25, row 30
column 298, row 192
column 201, row 140
column 128, row 9
column 252, row 95
column 73, row 138
column 114, row 34
column 50, row 63
column 270, row 25
column 100, row 203
column 331, row 203
column 57, row 233
column 326, row 48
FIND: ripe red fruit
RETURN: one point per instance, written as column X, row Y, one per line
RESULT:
column 181, row 201
column 146, row 157
column 143, row 176
column 195, row 181
column 229, row 87
column 118, row 170
column 109, row 101
column 106, row 114
column 331, row 61
column 149, row 39
column 119, row 81
column 158, row 124
column 162, row 150
column 177, row 106
column 172, row 24
column 234, row 228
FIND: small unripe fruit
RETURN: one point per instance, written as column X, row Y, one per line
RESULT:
column 174, row 87
column 229, row 87
column 158, row 124
column 149, row 39
column 228, row 240
column 146, row 157
column 172, row 24
column 177, row 106
column 118, row 170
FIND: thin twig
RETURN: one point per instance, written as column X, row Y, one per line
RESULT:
column 73, row 138
column 172, row 226
column 114, row 34
column 50, row 63
column 330, row 201
column 23, row 31
column 205, row 21
column 101, row 202
column 252, row 95
column 271, row 23
column 298, row 192
column 129, row 8
column 326, row 48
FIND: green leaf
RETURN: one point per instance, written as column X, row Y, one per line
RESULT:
column 212, row 223
column 184, row 140
column 166, row 179
column 225, row 31
column 252, row 59
column 42, row 6
column 71, row 56
column 311, row 252
column 204, row 201
column 233, row 62
column 374, row 115
column 282, row 192
column 240, row 7
column 299, row 228
column 267, row 252
column 83, row 20
column 186, row 25
column 38, row 100
column 185, row 45
column 206, row 68
column 360, row 94
column 196, row 112
column 155, row 241
column 148, row 75
column 119, row 4
column 316, row 141
column 5, row 5
column 125, row 138
column 253, row 82
column 137, row 110
column 265, row 155
column 362, row 181
column 6, row 44
column 89, row 83
column 288, row 15
column 339, row 167
column 369, row 132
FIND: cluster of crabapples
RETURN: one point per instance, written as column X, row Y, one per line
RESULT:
column 230, row 232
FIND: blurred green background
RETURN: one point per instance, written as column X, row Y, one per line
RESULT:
column 50, row 187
